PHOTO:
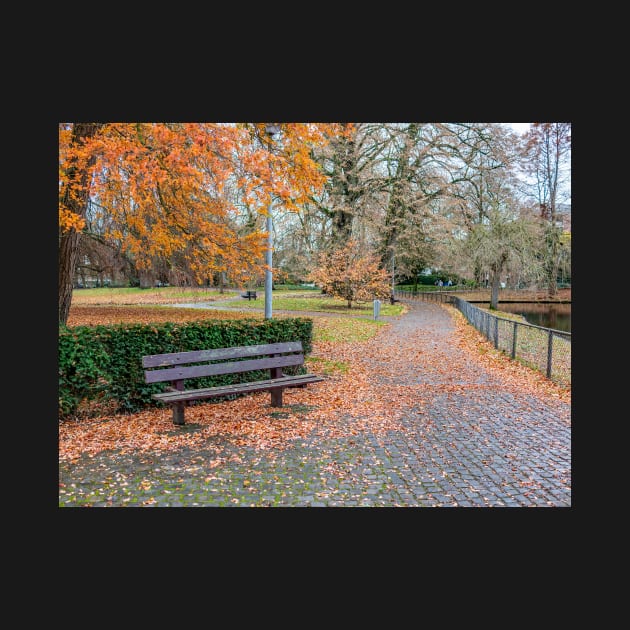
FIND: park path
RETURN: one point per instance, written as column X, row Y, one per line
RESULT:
column 475, row 439
column 482, row 440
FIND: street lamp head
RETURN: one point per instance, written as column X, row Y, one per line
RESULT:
column 272, row 129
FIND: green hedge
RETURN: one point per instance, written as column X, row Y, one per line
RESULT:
column 84, row 366
column 105, row 362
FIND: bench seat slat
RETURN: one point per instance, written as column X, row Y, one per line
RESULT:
column 212, row 369
column 219, row 354
column 238, row 388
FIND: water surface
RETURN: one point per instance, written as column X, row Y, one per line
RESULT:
column 556, row 316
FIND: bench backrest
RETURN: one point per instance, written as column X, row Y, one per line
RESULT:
column 273, row 356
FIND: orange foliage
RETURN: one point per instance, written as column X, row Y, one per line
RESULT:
column 161, row 189
column 351, row 275
column 111, row 315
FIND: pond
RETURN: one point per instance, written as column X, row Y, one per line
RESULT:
column 556, row 316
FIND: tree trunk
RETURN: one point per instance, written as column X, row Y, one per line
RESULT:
column 495, row 277
column 68, row 255
column 146, row 279
column 345, row 191
column 74, row 195
column 494, row 292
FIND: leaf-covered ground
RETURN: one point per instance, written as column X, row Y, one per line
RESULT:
column 83, row 315
column 350, row 390
column 250, row 420
column 133, row 295
column 474, row 343
column 325, row 327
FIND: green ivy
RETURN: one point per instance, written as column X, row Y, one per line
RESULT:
column 106, row 361
column 84, row 367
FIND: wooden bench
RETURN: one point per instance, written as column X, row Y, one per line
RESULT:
column 177, row 367
column 250, row 295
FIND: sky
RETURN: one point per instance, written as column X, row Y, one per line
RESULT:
column 520, row 128
column 565, row 191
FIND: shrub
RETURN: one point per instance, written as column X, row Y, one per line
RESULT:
column 84, row 367
column 106, row 361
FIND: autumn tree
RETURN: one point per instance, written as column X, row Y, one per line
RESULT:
column 494, row 235
column 350, row 274
column 502, row 242
column 328, row 218
column 160, row 192
column 478, row 162
column 75, row 162
column 340, row 160
column 378, row 191
column 546, row 158
column 381, row 180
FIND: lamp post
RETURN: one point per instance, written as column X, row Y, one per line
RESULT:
column 272, row 130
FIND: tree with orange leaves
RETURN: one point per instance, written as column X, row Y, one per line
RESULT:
column 165, row 191
column 350, row 274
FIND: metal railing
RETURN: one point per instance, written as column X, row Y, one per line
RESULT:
column 544, row 349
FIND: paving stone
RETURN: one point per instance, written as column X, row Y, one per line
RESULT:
column 453, row 454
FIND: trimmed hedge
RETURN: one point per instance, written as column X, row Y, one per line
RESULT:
column 84, row 367
column 106, row 361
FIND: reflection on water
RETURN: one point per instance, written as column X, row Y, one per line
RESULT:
column 556, row 316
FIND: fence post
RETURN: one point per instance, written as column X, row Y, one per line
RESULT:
column 514, row 341
column 496, row 332
column 549, row 353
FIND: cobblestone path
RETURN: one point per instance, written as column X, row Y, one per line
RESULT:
column 476, row 441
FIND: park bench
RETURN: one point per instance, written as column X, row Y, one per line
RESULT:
column 177, row 367
column 250, row 295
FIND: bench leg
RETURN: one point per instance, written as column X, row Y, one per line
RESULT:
column 276, row 397
column 178, row 413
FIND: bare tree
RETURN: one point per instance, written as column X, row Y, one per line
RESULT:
column 546, row 156
column 413, row 193
column 494, row 235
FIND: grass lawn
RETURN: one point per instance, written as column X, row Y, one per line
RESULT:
column 283, row 299
column 325, row 304
column 154, row 295
column 134, row 305
column 336, row 329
